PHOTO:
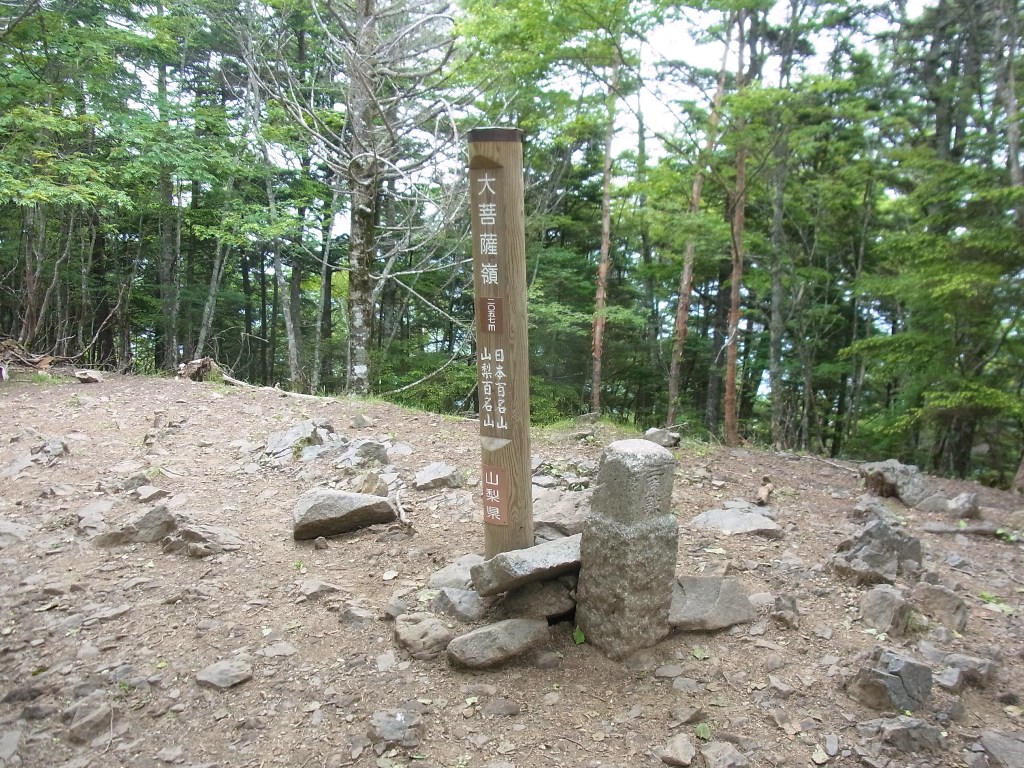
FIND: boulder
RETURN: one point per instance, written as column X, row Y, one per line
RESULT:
column 891, row 478
column 884, row 608
column 328, row 512
column 942, row 604
column 877, row 555
column 496, row 644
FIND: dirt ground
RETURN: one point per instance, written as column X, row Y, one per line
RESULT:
column 132, row 626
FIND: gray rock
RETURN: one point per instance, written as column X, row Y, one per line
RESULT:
column 51, row 449
column 961, row 507
column 496, row 643
column 1005, row 748
column 364, row 451
column 885, row 609
column 628, row 550
column 199, row 540
column 975, row 670
column 540, row 600
column 327, row 512
column 18, row 465
column 722, row 754
column 464, row 604
column 108, row 613
column 736, row 522
column 871, row 508
column 170, row 754
column 287, row 445
column 898, row 683
column 361, row 421
column 423, row 635
column 786, row 612
column 942, row 604
column 370, row 484
column 509, row 570
column 11, row 533
column 314, row 589
column 500, row 707
column 678, row 750
column 964, row 506
column 148, row 493
column 877, row 554
column 92, row 517
column 396, row 728
column 905, row 734
column 456, row 574
column 891, row 478
column 708, row 603
column 8, row 745
column 664, row 438
column 559, row 513
column 438, row 475
column 225, row 674
column 93, row 718
column 915, row 676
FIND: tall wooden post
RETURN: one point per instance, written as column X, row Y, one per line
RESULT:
column 502, row 350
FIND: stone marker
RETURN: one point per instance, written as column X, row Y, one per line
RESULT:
column 628, row 551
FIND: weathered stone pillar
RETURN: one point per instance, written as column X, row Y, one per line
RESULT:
column 628, row 551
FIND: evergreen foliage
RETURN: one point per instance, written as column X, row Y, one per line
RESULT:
column 187, row 178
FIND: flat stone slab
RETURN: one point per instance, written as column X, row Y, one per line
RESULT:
column 12, row 532
column 456, row 574
column 328, row 512
column 707, row 603
column 225, row 674
column 521, row 566
column 1005, row 749
column 438, row 475
column 734, row 522
column 464, row 604
column 496, row 643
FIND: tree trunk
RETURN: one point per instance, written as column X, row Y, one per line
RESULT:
column 776, row 322
column 737, row 226
column 682, row 326
column 364, row 183
column 1018, row 479
column 732, row 435
column 321, row 362
column 600, row 299
column 170, row 291
column 719, row 334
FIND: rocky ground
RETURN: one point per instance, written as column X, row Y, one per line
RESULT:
column 219, row 640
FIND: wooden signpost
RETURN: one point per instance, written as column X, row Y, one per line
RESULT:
column 502, row 351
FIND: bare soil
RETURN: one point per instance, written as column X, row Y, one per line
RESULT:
column 312, row 707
